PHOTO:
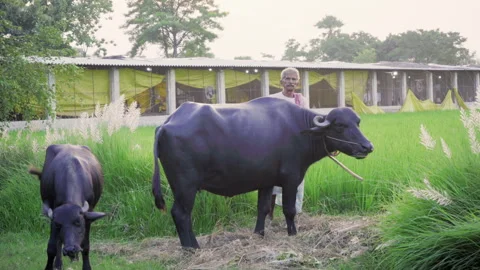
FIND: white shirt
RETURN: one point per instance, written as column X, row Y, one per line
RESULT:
column 280, row 95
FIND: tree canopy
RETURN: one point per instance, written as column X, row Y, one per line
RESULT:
column 420, row 46
column 178, row 27
column 293, row 51
column 426, row 46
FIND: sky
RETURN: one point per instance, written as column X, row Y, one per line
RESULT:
column 253, row 27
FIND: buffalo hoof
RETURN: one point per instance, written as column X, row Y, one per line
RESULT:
column 191, row 250
column 261, row 233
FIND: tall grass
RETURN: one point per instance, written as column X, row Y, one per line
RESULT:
column 127, row 160
column 435, row 225
column 126, row 155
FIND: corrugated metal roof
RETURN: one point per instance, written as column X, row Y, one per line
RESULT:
column 222, row 63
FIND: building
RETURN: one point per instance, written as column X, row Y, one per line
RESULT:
column 160, row 85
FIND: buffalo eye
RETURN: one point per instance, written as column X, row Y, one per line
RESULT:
column 340, row 127
column 76, row 223
column 58, row 226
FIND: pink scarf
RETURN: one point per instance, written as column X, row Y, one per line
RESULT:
column 298, row 99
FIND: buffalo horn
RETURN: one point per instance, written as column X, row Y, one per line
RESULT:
column 47, row 211
column 85, row 207
column 316, row 121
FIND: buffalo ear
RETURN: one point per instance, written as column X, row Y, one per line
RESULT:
column 92, row 216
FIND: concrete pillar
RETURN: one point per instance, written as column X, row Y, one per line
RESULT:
column 221, row 94
column 306, row 87
column 374, row 88
column 404, row 87
column 477, row 86
column 454, row 80
column 51, row 86
column 390, row 89
column 171, row 91
column 341, row 89
column 477, row 83
column 429, row 85
column 114, row 75
column 265, row 83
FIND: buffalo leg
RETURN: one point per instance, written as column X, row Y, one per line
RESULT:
column 58, row 258
column 182, row 216
column 263, row 208
column 86, row 247
column 52, row 249
column 288, row 202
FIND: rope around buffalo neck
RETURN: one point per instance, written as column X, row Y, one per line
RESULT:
column 332, row 155
column 340, row 140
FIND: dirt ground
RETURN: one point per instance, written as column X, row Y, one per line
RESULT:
column 320, row 241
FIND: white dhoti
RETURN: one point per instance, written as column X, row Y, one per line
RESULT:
column 298, row 200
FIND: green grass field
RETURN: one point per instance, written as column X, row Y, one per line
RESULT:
column 398, row 163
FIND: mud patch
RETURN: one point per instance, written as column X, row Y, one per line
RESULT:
column 320, row 241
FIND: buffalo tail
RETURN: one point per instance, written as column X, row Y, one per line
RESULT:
column 35, row 171
column 156, row 186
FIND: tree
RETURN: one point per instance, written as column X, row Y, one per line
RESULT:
column 174, row 25
column 331, row 24
column 313, row 52
column 385, row 49
column 78, row 21
column 368, row 55
column 242, row 58
column 337, row 46
column 268, row 56
column 196, row 49
column 37, row 28
column 293, row 51
column 426, row 46
column 341, row 47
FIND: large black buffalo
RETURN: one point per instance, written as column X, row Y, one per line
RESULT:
column 71, row 184
column 233, row 149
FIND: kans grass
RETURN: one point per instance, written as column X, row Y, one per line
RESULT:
column 421, row 182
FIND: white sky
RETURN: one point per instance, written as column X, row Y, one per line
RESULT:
column 263, row 26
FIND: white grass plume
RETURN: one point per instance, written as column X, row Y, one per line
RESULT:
column 136, row 147
column 471, row 121
column 35, row 146
column 112, row 116
column 430, row 193
column 5, row 134
column 477, row 96
column 19, row 135
column 82, row 125
column 425, row 138
column 53, row 135
column 446, row 149
column 131, row 117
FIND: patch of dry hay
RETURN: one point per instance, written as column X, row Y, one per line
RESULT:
column 320, row 240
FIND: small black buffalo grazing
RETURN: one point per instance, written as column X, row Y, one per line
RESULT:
column 70, row 186
column 234, row 149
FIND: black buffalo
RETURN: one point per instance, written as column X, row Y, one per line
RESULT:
column 71, row 184
column 233, row 149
